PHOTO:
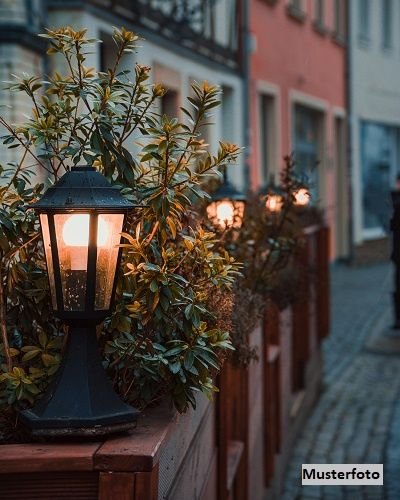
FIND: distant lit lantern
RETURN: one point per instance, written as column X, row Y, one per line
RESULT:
column 82, row 217
column 226, row 209
column 274, row 202
column 302, row 197
column 273, row 196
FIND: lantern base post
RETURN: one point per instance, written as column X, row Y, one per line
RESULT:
column 81, row 400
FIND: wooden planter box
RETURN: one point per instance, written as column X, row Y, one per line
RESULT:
column 166, row 456
column 234, row 448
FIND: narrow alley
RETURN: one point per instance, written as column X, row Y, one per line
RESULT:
column 357, row 418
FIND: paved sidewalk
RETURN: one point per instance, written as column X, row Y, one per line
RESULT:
column 357, row 418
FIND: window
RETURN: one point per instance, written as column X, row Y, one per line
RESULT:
column 108, row 52
column 229, row 126
column 296, row 4
column 266, row 104
column 295, row 9
column 340, row 20
column 379, row 160
column 308, row 128
column 228, row 117
column 387, row 24
column 364, row 17
column 169, row 103
column 319, row 12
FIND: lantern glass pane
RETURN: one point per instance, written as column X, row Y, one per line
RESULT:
column 72, row 232
column 44, row 223
column 109, row 237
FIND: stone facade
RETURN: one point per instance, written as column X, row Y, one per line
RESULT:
column 175, row 64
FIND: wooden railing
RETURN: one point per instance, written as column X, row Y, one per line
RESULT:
column 234, row 448
column 310, row 318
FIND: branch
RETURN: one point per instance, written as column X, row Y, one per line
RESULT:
column 3, row 322
column 27, row 148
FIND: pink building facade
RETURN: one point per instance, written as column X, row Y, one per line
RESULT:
column 298, row 101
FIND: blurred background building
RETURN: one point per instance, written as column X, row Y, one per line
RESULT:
column 298, row 100
column 185, row 41
column 21, row 51
column 319, row 78
column 374, row 104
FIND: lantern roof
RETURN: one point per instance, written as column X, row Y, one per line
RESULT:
column 83, row 188
column 228, row 191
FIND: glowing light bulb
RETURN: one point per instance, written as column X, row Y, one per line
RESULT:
column 75, row 232
column 302, row 197
column 273, row 203
column 225, row 213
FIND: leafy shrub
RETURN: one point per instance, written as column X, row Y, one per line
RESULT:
column 266, row 244
column 164, row 337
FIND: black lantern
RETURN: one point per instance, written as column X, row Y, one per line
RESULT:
column 81, row 217
column 226, row 209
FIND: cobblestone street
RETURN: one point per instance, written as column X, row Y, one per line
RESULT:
column 357, row 418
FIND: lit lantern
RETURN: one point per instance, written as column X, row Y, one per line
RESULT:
column 302, row 197
column 273, row 196
column 82, row 217
column 274, row 202
column 227, row 207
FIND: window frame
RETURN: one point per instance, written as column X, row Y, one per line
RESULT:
column 387, row 24
column 364, row 21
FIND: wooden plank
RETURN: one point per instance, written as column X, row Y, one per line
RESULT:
column 271, row 392
column 240, row 432
column 53, row 485
column 117, row 485
column 223, row 430
column 277, row 400
column 47, row 457
column 271, row 323
column 140, row 450
column 146, row 485
column 192, row 474
column 269, row 420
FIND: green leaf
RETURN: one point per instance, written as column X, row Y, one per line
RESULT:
column 175, row 367
column 174, row 351
column 154, row 286
column 151, row 267
column 188, row 360
column 30, row 355
column 42, row 340
column 188, row 311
